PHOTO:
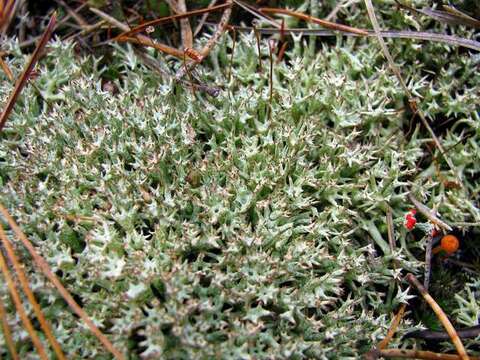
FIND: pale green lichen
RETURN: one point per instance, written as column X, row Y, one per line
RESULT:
column 199, row 227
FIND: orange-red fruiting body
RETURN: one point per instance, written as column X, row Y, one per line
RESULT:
column 410, row 220
column 449, row 244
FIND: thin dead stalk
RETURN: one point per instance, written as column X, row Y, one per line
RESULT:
column 428, row 213
column 411, row 100
column 142, row 40
column 63, row 21
column 271, row 46
column 393, row 327
column 234, row 42
column 27, row 71
column 418, row 354
column 375, row 352
column 257, row 36
column 451, row 16
column 84, row 31
column 6, row 69
column 74, row 14
column 165, row 19
column 26, row 289
column 185, row 28
column 428, row 260
column 390, row 234
column 222, row 25
column 21, row 310
column 411, row 35
column 155, row 66
column 465, row 333
column 7, row 334
column 136, row 39
column 45, row 268
column 203, row 19
column 8, row 9
column 324, row 23
column 441, row 316
column 257, row 14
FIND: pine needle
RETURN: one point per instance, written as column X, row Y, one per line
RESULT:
column 31, row 298
column 47, row 271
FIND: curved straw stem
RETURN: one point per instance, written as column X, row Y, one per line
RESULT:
column 325, row 23
column 21, row 310
column 27, row 71
column 441, row 316
column 396, row 321
column 43, row 265
column 222, row 25
column 7, row 334
column 419, row 354
column 26, row 289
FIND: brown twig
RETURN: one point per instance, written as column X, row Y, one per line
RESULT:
column 466, row 19
column 411, row 35
column 466, row 333
column 9, row 8
column 6, row 69
column 440, row 315
column 26, row 289
column 153, row 64
column 271, row 47
column 165, row 19
column 26, row 72
column 418, row 354
column 203, row 19
column 234, row 40
column 428, row 260
column 454, row 17
column 84, row 31
column 222, row 25
column 257, row 36
column 73, row 14
column 374, row 353
column 143, row 40
column 324, row 23
column 281, row 52
column 23, row 8
column 393, row 327
column 137, row 39
column 45, row 268
column 185, row 28
column 189, row 74
column 256, row 13
column 21, row 310
column 390, row 234
column 7, row 334
column 33, row 40
column 429, row 214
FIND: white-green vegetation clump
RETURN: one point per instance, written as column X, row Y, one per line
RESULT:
column 198, row 227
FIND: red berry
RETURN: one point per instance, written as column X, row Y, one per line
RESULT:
column 410, row 221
